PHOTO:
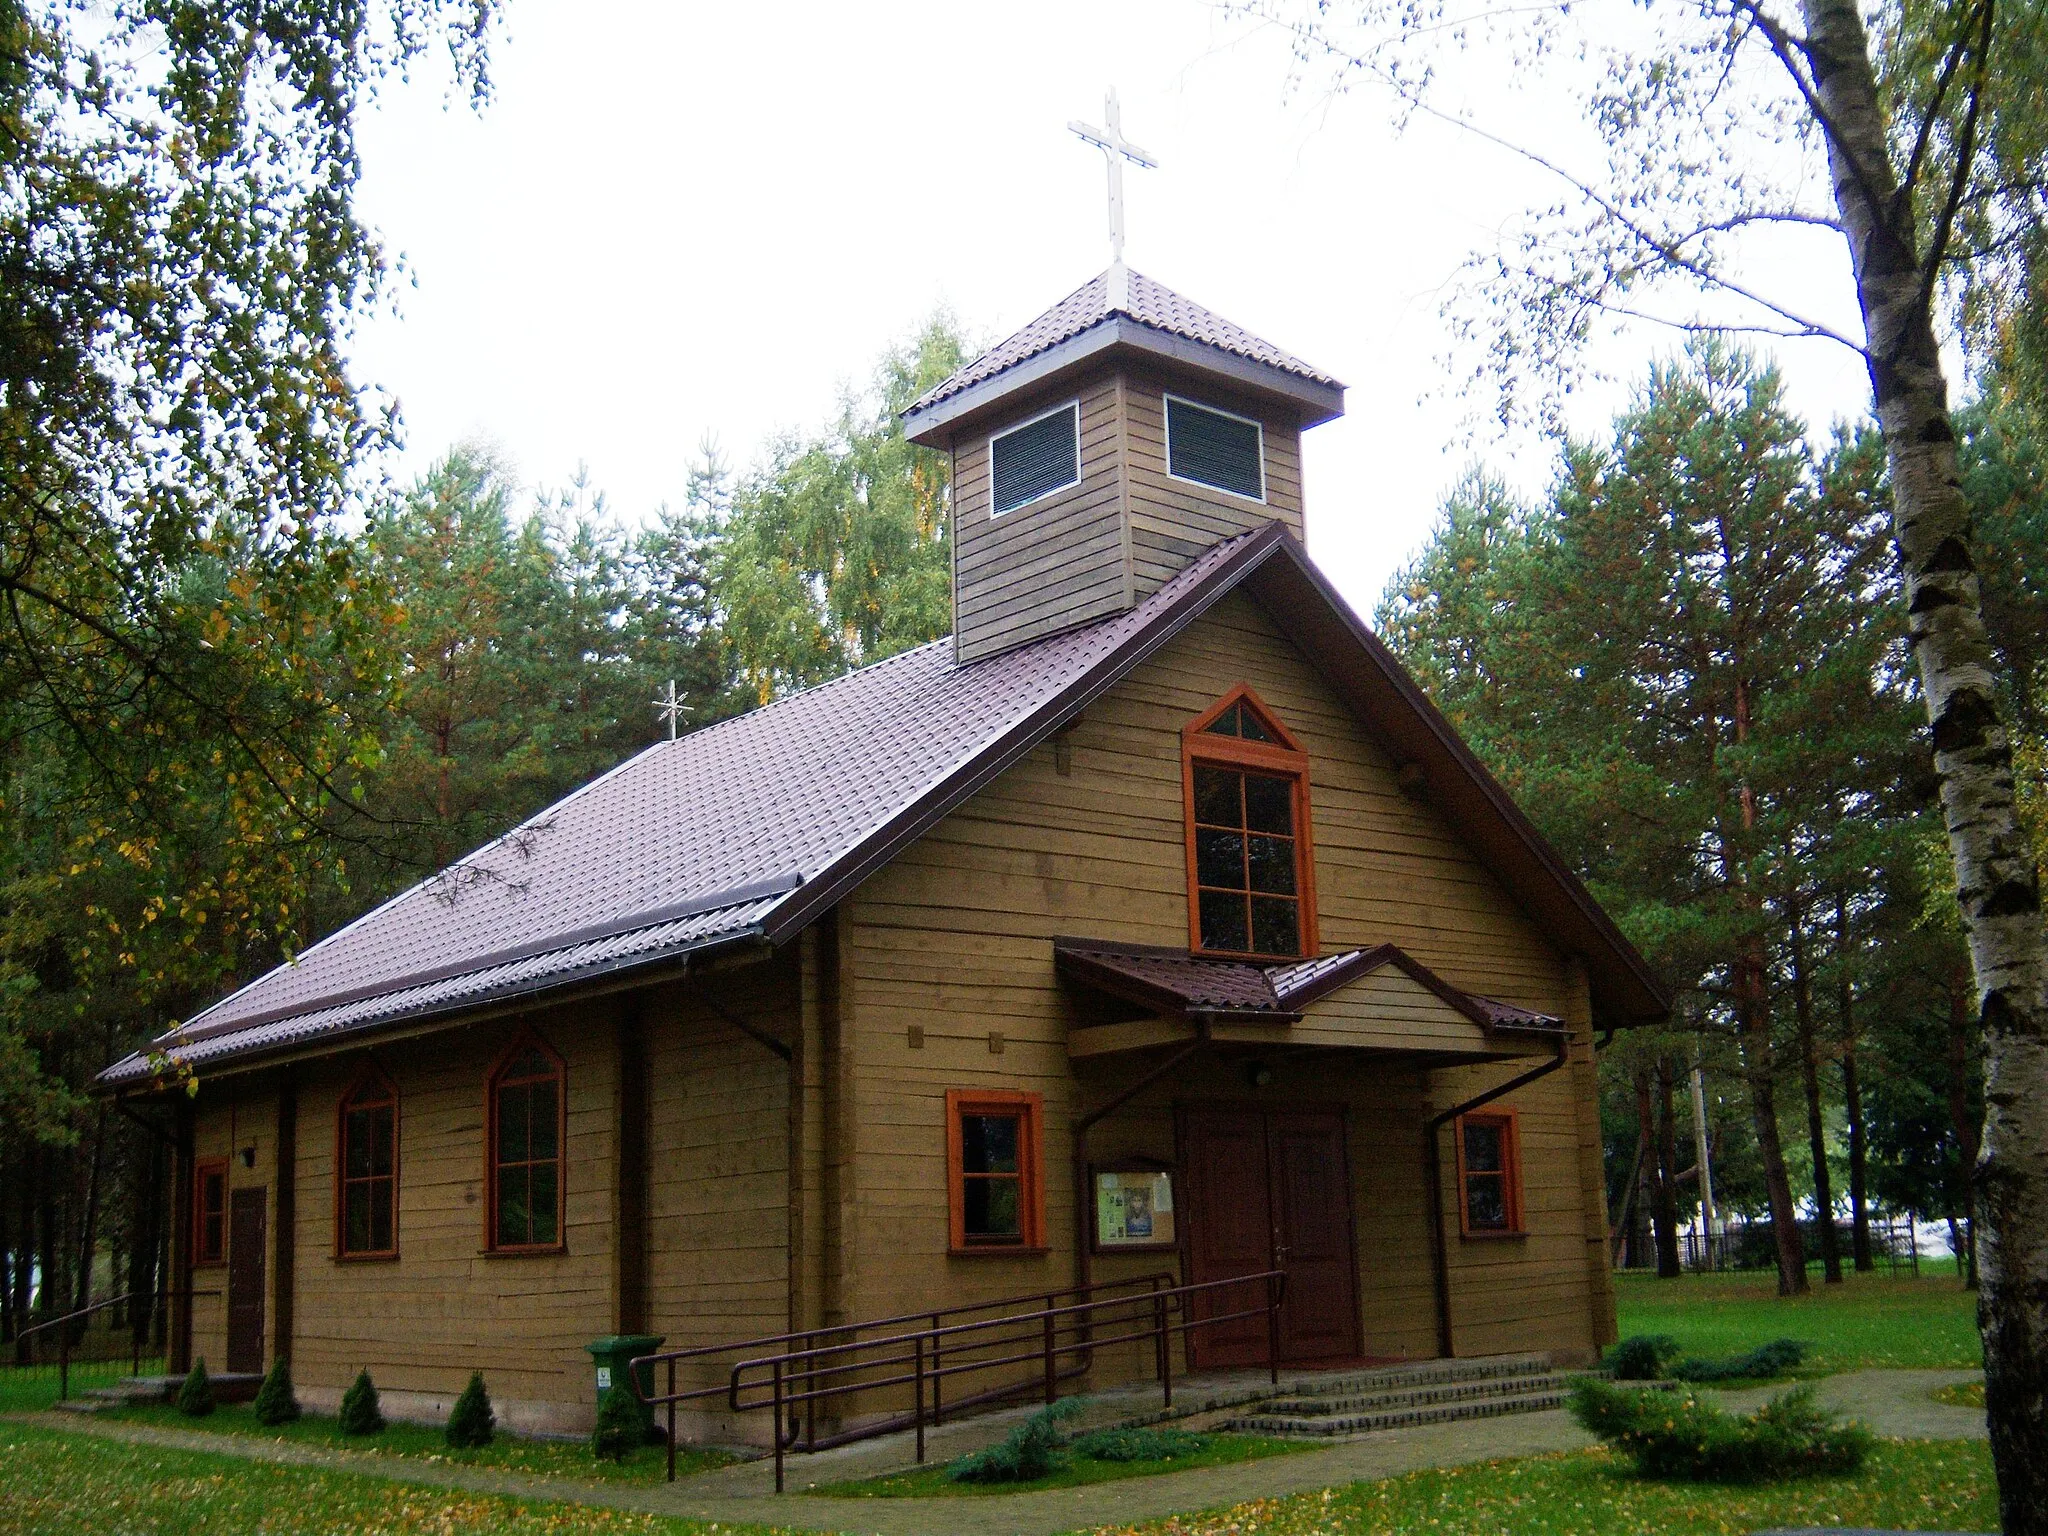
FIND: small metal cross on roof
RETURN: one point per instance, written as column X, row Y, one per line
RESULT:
column 671, row 708
column 1115, row 149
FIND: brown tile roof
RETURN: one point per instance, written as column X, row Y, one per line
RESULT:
column 1150, row 303
column 752, row 828
column 695, row 842
column 1176, row 981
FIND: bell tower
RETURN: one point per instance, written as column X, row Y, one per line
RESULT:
column 1103, row 447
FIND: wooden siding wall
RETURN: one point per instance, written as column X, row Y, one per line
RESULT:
column 243, row 1115
column 1093, row 550
column 954, row 937
column 445, row 1307
column 1173, row 521
column 1054, row 563
column 718, row 1195
column 715, row 1218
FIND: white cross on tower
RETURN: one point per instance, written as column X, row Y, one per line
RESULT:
column 1116, row 149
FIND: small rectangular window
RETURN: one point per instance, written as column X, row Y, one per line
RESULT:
column 524, row 1145
column 1489, row 1175
column 367, row 1191
column 1036, row 459
column 210, row 1212
column 1215, row 448
column 993, row 1159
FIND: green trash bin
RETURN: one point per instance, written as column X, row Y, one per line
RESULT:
column 613, row 1355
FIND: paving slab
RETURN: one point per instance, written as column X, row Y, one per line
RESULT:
column 1897, row 1404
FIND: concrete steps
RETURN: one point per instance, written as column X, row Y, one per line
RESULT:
column 1434, row 1392
column 228, row 1387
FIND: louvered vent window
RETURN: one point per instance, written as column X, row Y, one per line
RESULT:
column 1214, row 448
column 1037, row 458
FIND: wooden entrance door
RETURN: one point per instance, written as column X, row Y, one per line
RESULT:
column 246, row 1222
column 1267, row 1189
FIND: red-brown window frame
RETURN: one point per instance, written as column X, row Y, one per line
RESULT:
column 1284, row 757
column 1510, row 1178
column 526, row 1040
column 372, row 1074
column 201, row 1168
column 1028, row 1108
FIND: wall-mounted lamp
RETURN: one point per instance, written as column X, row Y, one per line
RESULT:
column 249, row 1157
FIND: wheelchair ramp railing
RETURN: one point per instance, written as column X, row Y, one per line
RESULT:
column 910, row 1371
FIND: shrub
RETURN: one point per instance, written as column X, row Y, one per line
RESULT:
column 1763, row 1363
column 1027, row 1452
column 1135, row 1444
column 471, row 1421
column 275, row 1402
column 195, row 1398
column 620, row 1426
column 1674, row 1434
column 360, row 1414
column 1640, row 1358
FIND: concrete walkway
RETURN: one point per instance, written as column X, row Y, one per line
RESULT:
column 1894, row 1403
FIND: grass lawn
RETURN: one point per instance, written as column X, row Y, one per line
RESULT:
column 57, row 1484
column 514, row 1453
column 932, row 1482
column 1867, row 1320
column 25, row 1390
column 1906, row 1485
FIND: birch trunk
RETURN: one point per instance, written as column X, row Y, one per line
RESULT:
column 1997, row 884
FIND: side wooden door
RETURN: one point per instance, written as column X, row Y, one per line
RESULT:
column 247, row 1220
column 1229, row 1229
column 1310, row 1175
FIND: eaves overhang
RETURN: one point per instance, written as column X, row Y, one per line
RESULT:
column 1119, row 336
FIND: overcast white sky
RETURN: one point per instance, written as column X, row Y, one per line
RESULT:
column 682, row 218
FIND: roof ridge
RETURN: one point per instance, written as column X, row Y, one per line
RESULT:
column 1144, row 300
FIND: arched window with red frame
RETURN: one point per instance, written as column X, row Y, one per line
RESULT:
column 1251, row 870
column 525, row 1125
column 366, row 1160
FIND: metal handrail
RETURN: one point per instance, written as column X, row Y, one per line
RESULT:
column 814, row 1373
column 849, row 1333
column 156, row 1299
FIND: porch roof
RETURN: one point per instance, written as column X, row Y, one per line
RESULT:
column 1414, row 1006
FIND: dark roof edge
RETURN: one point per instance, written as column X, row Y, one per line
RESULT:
column 1318, row 402
column 650, row 917
column 824, row 889
column 1077, row 956
column 483, row 1004
column 1498, row 799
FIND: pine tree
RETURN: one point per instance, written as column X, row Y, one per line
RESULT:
column 195, row 1398
column 1678, row 664
column 471, row 1421
column 275, row 1402
column 620, row 1426
column 360, row 1414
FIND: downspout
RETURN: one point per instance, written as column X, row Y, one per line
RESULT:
column 1432, row 1162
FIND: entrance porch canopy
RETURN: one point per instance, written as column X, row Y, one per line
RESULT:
column 1379, row 999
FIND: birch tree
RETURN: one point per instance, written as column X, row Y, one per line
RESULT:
column 1917, row 143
